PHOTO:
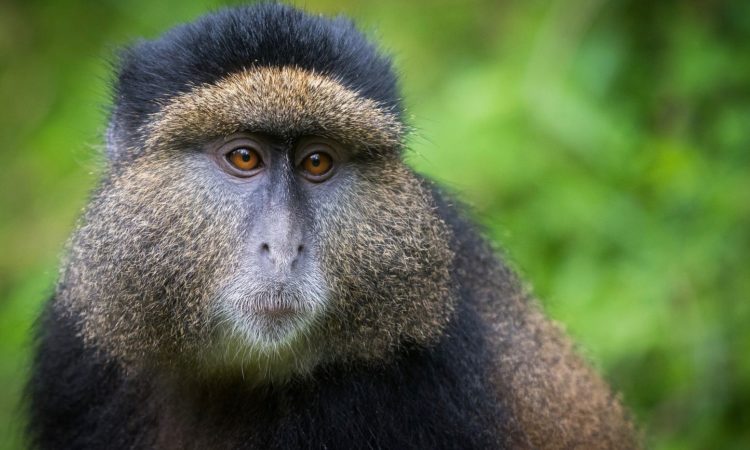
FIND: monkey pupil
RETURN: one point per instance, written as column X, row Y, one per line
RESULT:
column 315, row 160
column 245, row 155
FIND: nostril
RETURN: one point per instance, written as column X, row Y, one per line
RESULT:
column 264, row 248
column 300, row 248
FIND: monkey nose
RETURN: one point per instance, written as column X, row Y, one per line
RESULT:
column 281, row 258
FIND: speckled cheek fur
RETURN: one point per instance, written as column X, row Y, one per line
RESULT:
column 387, row 260
column 153, row 244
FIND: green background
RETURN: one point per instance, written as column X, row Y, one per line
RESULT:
column 604, row 144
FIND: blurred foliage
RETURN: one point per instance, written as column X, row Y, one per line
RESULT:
column 604, row 144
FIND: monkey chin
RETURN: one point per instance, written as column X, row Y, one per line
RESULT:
column 271, row 327
column 264, row 329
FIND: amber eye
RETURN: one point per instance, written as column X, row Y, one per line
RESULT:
column 317, row 164
column 244, row 158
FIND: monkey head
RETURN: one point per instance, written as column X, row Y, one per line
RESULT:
column 255, row 212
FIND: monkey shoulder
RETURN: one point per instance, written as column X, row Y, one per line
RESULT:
column 533, row 369
column 77, row 399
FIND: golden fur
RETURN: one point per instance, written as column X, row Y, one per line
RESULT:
column 277, row 100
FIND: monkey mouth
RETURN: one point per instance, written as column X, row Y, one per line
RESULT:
column 273, row 323
column 268, row 316
column 277, row 313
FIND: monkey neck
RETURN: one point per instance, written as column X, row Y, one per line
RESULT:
column 398, row 398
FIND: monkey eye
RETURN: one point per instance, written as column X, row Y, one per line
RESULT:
column 316, row 166
column 244, row 158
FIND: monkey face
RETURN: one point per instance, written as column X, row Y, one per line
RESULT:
column 265, row 222
column 276, row 288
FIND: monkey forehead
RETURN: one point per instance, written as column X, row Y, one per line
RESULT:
column 287, row 102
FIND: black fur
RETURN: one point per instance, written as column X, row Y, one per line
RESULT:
column 230, row 40
column 427, row 398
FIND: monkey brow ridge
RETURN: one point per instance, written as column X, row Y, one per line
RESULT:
column 284, row 101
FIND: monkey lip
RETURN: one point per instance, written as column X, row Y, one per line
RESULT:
column 272, row 321
column 271, row 312
column 268, row 314
column 278, row 313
